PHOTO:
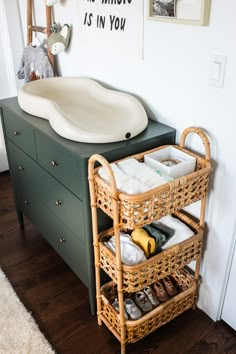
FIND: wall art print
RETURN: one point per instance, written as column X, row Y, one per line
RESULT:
column 164, row 8
column 111, row 27
column 192, row 12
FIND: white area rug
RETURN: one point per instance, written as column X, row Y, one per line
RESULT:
column 19, row 334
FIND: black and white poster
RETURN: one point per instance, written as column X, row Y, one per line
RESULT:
column 164, row 8
column 114, row 26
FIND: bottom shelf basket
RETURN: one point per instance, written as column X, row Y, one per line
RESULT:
column 165, row 312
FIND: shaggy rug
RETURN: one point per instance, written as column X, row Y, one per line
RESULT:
column 19, row 334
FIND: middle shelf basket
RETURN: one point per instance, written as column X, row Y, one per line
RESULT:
column 136, row 277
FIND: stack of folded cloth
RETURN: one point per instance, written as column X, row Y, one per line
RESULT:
column 181, row 231
column 160, row 235
column 133, row 177
column 131, row 253
column 151, row 239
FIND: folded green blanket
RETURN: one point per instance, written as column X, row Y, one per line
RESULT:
column 160, row 233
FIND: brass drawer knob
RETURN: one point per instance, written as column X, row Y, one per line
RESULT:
column 21, row 168
column 58, row 203
column 16, row 133
column 54, row 163
column 62, row 240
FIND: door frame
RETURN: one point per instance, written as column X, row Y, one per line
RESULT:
column 7, row 52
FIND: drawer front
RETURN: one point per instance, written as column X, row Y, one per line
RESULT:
column 23, row 169
column 20, row 133
column 62, row 239
column 29, row 176
column 60, row 163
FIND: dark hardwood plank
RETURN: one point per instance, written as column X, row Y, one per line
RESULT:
column 60, row 305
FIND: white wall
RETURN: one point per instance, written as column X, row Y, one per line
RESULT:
column 11, row 46
column 172, row 82
column 15, row 37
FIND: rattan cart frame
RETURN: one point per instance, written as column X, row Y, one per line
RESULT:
column 130, row 211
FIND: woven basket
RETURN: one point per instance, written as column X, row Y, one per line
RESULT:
column 166, row 262
column 136, row 330
column 137, row 210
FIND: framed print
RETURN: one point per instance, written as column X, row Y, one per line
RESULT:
column 192, row 12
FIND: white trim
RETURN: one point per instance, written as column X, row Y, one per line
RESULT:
column 227, row 275
column 7, row 52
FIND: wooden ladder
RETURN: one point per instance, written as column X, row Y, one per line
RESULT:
column 46, row 30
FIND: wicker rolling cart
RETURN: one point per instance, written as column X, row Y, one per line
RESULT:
column 130, row 211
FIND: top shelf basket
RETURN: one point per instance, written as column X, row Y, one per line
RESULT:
column 139, row 209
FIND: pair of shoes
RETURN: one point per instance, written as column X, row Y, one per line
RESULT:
column 151, row 296
column 115, row 304
column 142, row 301
column 164, row 293
column 146, row 299
column 132, row 309
column 161, row 292
column 170, row 288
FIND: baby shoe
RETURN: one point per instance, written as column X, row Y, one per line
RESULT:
column 142, row 301
column 160, row 292
column 151, row 296
column 170, row 288
column 115, row 304
column 132, row 309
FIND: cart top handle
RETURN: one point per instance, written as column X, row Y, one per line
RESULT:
column 103, row 162
column 202, row 135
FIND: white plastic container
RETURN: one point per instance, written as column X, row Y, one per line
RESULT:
column 181, row 163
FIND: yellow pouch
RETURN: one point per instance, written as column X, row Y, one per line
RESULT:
column 144, row 241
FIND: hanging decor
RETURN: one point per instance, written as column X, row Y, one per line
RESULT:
column 113, row 26
column 192, row 12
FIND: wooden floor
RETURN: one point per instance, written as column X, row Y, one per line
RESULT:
column 59, row 301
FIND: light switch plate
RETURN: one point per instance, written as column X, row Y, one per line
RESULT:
column 217, row 70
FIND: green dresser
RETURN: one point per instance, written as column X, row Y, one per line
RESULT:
column 50, row 181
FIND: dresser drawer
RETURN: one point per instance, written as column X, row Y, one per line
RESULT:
column 23, row 168
column 30, row 177
column 62, row 239
column 59, row 163
column 62, row 202
column 20, row 133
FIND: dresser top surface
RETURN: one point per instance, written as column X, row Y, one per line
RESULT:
column 153, row 131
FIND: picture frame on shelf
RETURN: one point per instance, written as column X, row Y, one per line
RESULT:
column 189, row 12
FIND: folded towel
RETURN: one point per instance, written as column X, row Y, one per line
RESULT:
column 160, row 238
column 124, row 182
column 142, row 173
column 131, row 253
column 143, row 240
column 182, row 231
